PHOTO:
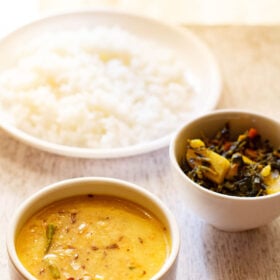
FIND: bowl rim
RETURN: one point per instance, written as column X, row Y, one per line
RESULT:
column 195, row 185
column 118, row 152
column 71, row 183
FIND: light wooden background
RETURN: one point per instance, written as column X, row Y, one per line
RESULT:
column 249, row 58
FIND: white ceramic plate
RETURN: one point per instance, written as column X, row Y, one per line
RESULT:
column 200, row 61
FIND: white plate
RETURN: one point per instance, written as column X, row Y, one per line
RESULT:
column 201, row 64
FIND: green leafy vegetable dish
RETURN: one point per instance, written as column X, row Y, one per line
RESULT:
column 247, row 166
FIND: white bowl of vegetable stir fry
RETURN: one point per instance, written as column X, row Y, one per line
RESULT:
column 227, row 164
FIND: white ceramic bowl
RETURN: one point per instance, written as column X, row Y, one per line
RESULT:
column 92, row 185
column 225, row 212
column 201, row 65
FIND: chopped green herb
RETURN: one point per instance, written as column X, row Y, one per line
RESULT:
column 50, row 231
column 54, row 271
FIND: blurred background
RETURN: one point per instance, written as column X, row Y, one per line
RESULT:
column 252, row 12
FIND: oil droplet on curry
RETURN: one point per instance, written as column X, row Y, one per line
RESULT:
column 93, row 237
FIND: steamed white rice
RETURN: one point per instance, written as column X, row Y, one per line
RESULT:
column 98, row 88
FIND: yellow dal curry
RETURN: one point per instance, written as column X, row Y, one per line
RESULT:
column 93, row 237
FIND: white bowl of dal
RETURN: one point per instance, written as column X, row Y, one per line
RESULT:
column 138, row 220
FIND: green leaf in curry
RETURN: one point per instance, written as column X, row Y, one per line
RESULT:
column 54, row 271
column 50, row 231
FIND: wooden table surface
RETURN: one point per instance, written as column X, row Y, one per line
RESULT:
column 249, row 59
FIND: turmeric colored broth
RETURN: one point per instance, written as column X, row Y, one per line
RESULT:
column 93, row 237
